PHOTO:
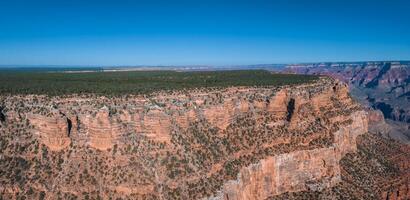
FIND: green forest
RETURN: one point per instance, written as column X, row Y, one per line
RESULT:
column 136, row 82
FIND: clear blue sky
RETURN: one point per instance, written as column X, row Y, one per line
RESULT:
column 102, row 32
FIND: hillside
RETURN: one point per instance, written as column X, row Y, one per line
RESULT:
column 232, row 142
column 383, row 86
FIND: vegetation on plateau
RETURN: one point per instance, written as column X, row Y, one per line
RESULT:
column 136, row 82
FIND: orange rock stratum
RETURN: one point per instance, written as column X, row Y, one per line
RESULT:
column 236, row 143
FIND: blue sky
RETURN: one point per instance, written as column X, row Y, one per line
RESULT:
column 91, row 32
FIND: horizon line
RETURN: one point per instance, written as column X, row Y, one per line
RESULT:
column 192, row 65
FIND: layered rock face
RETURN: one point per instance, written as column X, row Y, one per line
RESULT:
column 54, row 130
column 157, row 125
column 386, row 84
column 292, row 172
column 382, row 86
column 379, row 162
column 101, row 129
column 230, row 143
column 311, row 170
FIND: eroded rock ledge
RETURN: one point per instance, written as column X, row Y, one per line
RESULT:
column 101, row 128
column 186, row 145
column 309, row 170
column 53, row 130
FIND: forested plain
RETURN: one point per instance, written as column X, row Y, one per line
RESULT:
column 136, row 82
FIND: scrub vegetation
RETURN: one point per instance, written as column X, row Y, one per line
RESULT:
column 136, row 82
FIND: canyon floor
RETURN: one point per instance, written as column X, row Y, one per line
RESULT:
column 193, row 135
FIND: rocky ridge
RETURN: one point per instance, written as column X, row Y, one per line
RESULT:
column 382, row 86
column 307, row 170
column 180, row 145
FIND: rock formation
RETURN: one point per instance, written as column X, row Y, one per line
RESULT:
column 383, row 86
column 229, row 143
column 54, row 131
column 101, row 129
column 310, row 170
column 157, row 125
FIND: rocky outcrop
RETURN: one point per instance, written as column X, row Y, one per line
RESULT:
column 387, row 128
column 184, row 117
column 54, row 130
column 157, row 125
column 378, row 162
column 245, row 142
column 311, row 170
column 383, row 86
column 101, row 129
column 296, row 171
column 220, row 115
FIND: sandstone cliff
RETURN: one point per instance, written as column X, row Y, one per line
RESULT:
column 382, row 86
column 236, row 143
column 53, row 130
column 311, row 170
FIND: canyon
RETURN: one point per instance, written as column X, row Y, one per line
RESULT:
column 239, row 142
column 310, row 170
column 381, row 86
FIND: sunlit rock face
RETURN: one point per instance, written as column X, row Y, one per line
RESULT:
column 53, row 130
column 101, row 129
column 311, row 170
column 184, row 117
column 157, row 125
column 230, row 143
